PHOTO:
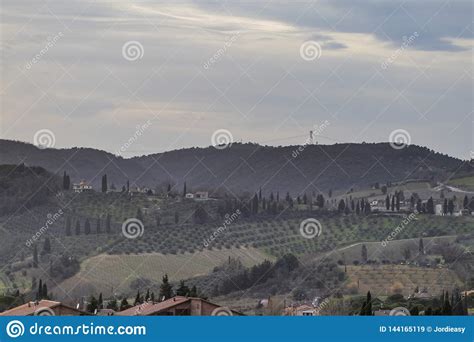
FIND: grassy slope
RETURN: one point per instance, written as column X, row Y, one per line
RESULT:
column 392, row 252
column 466, row 183
column 381, row 279
column 103, row 273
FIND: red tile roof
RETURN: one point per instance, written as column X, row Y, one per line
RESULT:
column 149, row 308
column 29, row 308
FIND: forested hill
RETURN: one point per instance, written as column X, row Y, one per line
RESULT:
column 245, row 167
column 23, row 187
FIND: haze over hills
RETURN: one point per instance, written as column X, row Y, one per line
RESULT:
column 245, row 167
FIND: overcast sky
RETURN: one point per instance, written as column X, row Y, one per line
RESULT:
column 379, row 66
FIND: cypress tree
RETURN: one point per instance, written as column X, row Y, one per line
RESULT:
column 35, row 256
column 68, row 226
column 107, row 224
column 166, row 290
column 255, row 205
column 39, row 294
column 364, row 253
column 97, row 226
column 100, row 302
column 65, row 187
column 45, row 291
column 87, row 227
column 430, row 206
column 137, row 298
column 104, row 183
column 78, row 228
column 366, row 309
column 46, row 246
column 451, row 207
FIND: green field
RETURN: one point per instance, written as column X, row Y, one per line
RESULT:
column 466, row 183
column 114, row 273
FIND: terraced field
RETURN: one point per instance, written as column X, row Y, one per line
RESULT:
column 384, row 280
column 278, row 236
column 113, row 274
column 392, row 252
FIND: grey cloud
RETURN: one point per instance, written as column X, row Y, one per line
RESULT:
column 389, row 20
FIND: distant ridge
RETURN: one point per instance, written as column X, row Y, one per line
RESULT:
column 245, row 167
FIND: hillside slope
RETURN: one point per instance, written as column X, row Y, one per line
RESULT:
column 245, row 167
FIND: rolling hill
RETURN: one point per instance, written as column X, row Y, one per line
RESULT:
column 246, row 167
